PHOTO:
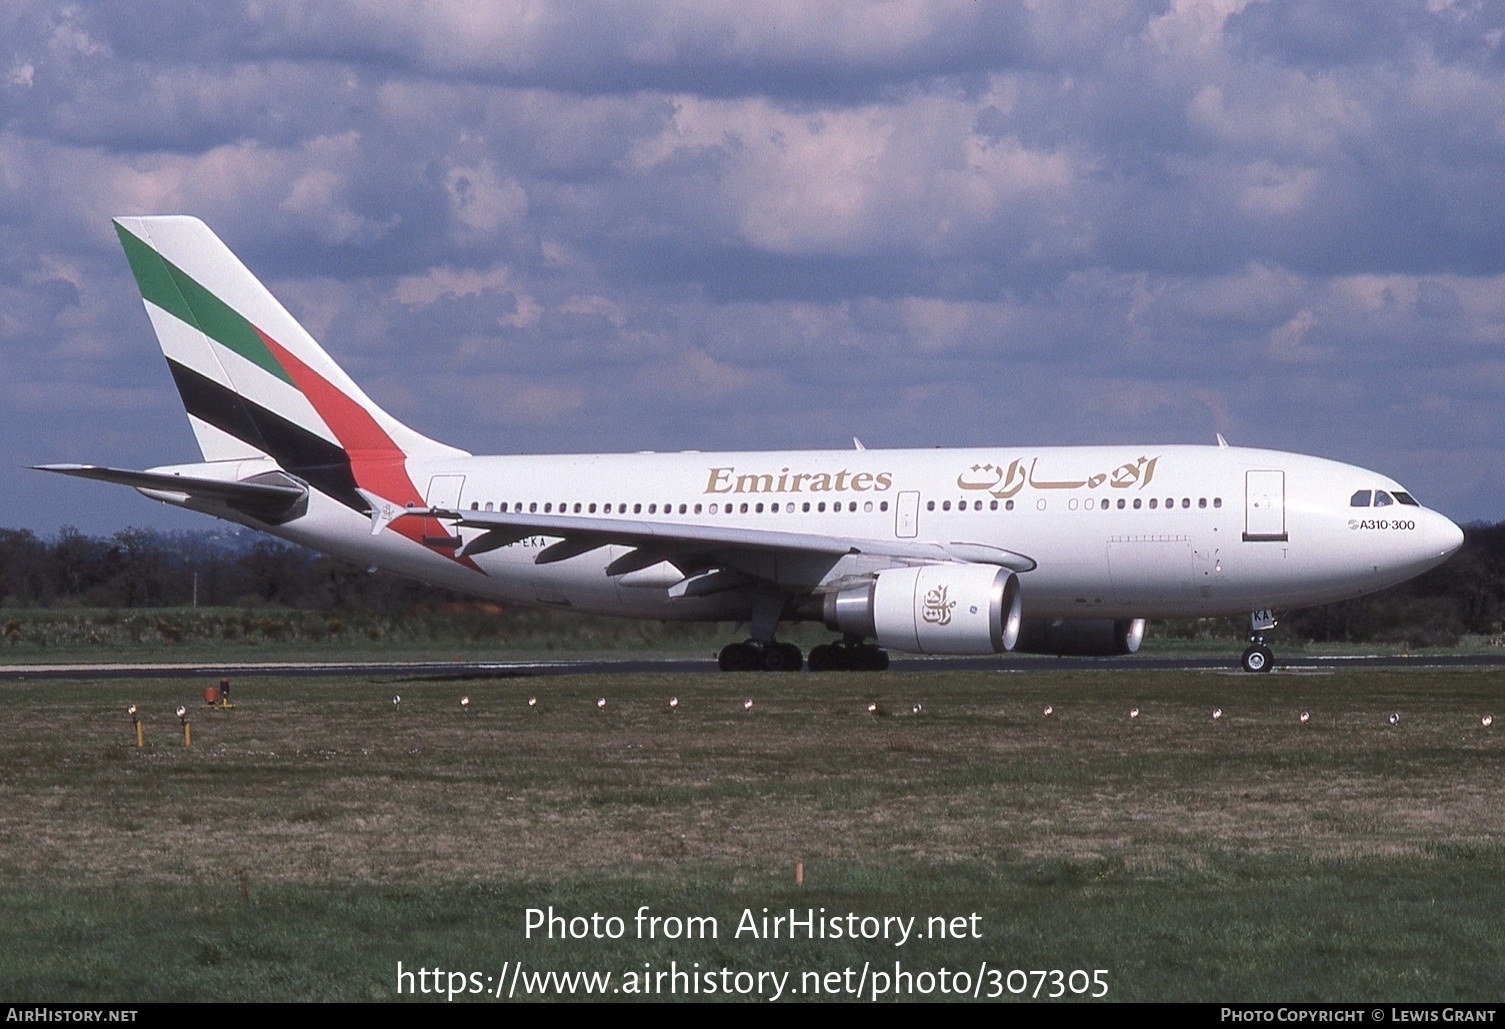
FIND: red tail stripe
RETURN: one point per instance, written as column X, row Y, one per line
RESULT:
column 376, row 462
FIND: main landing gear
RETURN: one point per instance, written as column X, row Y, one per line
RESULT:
column 848, row 656
column 753, row 656
column 762, row 653
column 1258, row 657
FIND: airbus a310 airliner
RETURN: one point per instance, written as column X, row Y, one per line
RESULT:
column 977, row 550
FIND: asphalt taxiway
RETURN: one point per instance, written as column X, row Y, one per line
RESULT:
column 627, row 666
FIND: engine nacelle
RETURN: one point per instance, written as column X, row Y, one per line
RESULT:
column 1081, row 637
column 933, row 609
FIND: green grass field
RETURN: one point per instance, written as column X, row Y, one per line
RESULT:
column 62, row 634
column 317, row 834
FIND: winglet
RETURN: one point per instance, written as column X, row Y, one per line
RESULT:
column 1222, row 443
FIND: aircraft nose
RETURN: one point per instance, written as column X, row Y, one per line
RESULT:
column 1444, row 535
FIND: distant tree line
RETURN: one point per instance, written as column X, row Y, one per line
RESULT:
column 1464, row 596
column 143, row 568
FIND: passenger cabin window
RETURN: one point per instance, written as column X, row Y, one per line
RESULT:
column 1360, row 499
column 1382, row 499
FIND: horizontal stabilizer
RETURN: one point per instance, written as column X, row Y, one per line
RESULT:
column 272, row 497
column 383, row 512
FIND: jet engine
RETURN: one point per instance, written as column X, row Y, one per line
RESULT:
column 932, row 609
column 1080, row 637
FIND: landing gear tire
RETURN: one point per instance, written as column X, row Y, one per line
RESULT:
column 1258, row 658
column 738, row 657
column 757, row 657
column 839, row 657
column 827, row 658
column 782, row 657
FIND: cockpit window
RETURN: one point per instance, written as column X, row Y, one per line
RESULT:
column 1406, row 498
column 1359, row 499
column 1382, row 499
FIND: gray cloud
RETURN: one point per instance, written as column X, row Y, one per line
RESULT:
column 583, row 227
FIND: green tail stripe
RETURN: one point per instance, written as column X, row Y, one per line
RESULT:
column 175, row 292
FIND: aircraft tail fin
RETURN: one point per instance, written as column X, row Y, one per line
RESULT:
column 253, row 381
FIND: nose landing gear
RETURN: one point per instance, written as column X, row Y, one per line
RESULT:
column 1258, row 657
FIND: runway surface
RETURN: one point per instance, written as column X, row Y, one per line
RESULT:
column 626, row 666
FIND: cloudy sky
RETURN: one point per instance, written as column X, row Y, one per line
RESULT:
column 538, row 227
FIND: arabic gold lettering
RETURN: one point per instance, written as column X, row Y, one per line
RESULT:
column 1053, row 484
column 1126, row 475
column 1013, row 481
column 982, row 479
column 1003, row 483
column 937, row 609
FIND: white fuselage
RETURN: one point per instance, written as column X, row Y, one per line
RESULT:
column 1113, row 531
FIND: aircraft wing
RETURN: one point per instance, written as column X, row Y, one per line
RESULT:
column 654, row 541
column 269, row 496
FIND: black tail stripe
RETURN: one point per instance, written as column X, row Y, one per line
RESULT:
column 324, row 465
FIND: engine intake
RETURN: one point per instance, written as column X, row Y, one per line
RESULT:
column 932, row 609
column 1081, row 637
